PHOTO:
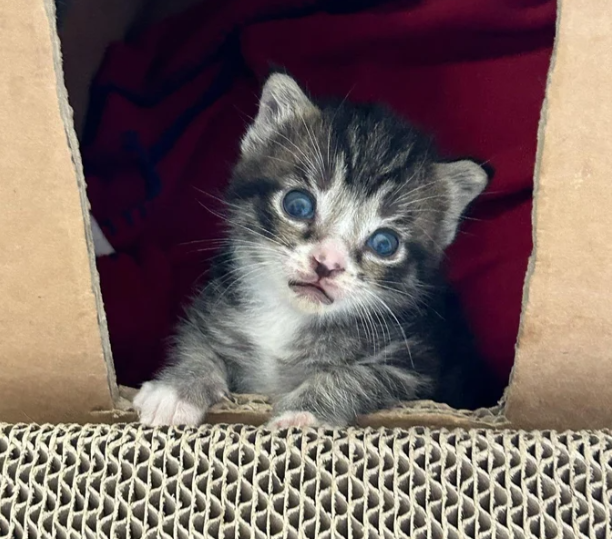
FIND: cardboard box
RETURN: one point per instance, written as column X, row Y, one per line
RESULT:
column 55, row 359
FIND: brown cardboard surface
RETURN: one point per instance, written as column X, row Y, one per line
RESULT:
column 53, row 345
column 52, row 364
column 563, row 372
column 88, row 27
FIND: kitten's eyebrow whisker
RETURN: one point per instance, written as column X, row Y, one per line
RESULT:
column 331, row 123
column 419, row 187
column 413, row 202
column 306, row 158
column 298, row 160
column 316, row 148
column 417, row 172
column 296, row 164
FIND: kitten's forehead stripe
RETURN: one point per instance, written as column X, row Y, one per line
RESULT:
column 367, row 169
column 374, row 139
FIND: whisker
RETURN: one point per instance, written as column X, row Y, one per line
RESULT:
column 236, row 224
column 296, row 164
column 316, row 147
column 233, row 284
column 399, row 326
column 306, row 158
column 331, row 123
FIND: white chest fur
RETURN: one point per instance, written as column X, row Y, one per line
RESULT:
column 272, row 329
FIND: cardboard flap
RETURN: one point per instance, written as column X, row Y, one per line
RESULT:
column 51, row 345
column 563, row 372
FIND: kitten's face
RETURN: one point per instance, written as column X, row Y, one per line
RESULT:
column 341, row 208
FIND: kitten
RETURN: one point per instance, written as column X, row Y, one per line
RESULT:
column 328, row 297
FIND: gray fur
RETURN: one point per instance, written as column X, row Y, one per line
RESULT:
column 389, row 338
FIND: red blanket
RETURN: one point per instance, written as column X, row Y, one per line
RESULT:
column 168, row 110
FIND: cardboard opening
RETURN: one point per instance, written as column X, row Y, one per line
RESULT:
column 81, row 338
column 85, row 30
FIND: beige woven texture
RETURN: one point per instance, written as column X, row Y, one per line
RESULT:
column 126, row 481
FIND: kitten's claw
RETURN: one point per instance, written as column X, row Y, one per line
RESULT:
column 159, row 404
column 293, row 419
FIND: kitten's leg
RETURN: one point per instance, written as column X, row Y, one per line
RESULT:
column 182, row 393
column 336, row 397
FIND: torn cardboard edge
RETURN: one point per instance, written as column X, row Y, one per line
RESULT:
column 563, row 369
column 51, row 352
column 511, row 410
column 66, row 113
column 245, row 409
column 507, row 399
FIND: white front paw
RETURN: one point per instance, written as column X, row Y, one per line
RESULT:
column 159, row 404
column 293, row 419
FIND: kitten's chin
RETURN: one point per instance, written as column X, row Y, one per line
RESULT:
column 311, row 292
column 307, row 306
column 310, row 298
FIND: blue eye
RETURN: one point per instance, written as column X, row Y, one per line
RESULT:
column 383, row 242
column 299, row 205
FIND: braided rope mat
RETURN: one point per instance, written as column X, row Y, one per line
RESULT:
column 237, row 481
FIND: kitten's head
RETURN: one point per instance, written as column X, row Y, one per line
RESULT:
column 341, row 207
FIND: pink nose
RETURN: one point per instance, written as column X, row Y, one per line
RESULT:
column 328, row 259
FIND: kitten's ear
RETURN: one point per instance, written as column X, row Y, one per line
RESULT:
column 465, row 180
column 281, row 100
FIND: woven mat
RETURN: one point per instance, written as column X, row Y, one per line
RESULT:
column 233, row 482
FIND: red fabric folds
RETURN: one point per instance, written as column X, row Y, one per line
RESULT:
column 169, row 107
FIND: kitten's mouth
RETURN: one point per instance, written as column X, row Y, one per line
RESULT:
column 311, row 291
